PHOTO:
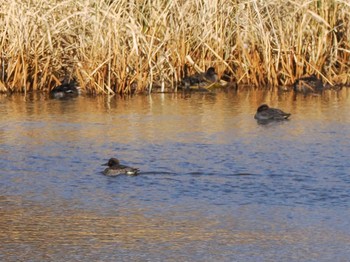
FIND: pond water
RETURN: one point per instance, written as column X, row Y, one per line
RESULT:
column 214, row 185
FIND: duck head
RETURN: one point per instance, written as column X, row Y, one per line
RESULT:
column 263, row 108
column 112, row 162
column 211, row 71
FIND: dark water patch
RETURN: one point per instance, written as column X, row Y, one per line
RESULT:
column 243, row 174
column 158, row 173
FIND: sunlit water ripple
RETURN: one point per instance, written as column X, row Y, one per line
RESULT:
column 214, row 185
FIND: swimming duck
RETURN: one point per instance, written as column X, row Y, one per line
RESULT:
column 308, row 84
column 66, row 90
column 266, row 113
column 201, row 79
column 115, row 168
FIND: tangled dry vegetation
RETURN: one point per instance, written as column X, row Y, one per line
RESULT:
column 117, row 46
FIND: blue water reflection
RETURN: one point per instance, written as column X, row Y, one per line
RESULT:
column 214, row 184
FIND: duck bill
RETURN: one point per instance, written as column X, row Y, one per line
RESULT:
column 106, row 164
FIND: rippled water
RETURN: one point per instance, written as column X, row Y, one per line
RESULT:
column 214, row 186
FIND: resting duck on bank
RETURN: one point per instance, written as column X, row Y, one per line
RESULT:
column 308, row 84
column 66, row 90
column 200, row 79
column 115, row 169
column 265, row 113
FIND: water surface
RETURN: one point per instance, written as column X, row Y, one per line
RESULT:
column 214, row 185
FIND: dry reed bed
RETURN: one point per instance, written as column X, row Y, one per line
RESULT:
column 115, row 46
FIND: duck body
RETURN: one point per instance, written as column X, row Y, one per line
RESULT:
column 200, row 79
column 308, row 84
column 265, row 113
column 115, row 169
column 65, row 90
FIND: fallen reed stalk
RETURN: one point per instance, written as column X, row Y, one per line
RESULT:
column 122, row 46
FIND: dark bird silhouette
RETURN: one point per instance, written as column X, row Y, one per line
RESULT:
column 200, row 79
column 68, row 88
column 308, row 84
column 265, row 113
column 115, row 169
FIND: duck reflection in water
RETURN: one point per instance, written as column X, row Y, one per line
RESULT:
column 266, row 114
column 115, row 169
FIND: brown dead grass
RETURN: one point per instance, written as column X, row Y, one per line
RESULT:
column 117, row 46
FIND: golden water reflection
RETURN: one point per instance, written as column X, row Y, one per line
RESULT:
column 147, row 117
column 49, row 232
column 50, row 229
